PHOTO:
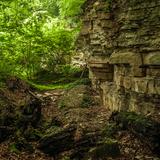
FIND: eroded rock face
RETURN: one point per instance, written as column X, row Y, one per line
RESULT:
column 122, row 38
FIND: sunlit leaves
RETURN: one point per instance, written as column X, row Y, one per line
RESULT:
column 70, row 7
column 35, row 35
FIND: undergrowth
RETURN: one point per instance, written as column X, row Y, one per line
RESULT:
column 61, row 85
column 66, row 77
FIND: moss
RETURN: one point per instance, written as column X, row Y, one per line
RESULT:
column 13, row 148
column 109, row 148
column 110, row 130
column 132, row 121
column 50, row 86
column 21, row 145
column 61, row 104
column 52, row 130
column 66, row 158
column 60, row 84
column 32, row 134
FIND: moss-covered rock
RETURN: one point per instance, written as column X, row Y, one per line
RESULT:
column 57, row 140
column 108, row 148
column 32, row 134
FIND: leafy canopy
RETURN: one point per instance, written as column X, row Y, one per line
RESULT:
column 36, row 35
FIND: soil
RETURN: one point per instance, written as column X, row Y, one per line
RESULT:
column 90, row 119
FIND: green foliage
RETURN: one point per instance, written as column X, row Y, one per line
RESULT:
column 139, row 122
column 21, row 145
column 51, row 6
column 13, row 148
column 34, row 36
column 109, row 148
column 61, row 105
column 61, row 84
column 70, row 7
column 110, row 130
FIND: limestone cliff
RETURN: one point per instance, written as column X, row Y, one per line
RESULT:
column 122, row 38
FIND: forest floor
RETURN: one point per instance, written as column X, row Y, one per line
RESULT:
column 91, row 118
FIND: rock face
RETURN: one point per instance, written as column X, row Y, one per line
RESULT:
column 122, row 38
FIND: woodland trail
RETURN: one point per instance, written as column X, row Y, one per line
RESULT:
column 88, row 121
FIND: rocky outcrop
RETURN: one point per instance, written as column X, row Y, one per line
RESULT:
column 122, row 38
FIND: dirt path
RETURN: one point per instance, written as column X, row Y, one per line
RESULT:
column 88, row 119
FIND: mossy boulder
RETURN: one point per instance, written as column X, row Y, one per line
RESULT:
column 32, row 134
column 108, row 148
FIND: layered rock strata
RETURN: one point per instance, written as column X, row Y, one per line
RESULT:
column 122, row 38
